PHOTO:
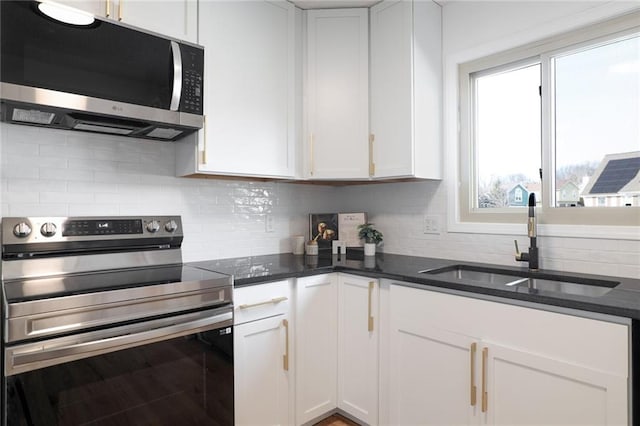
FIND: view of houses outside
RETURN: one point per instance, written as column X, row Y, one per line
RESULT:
column 597, row 130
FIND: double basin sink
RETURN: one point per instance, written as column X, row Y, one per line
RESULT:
column 531, row 282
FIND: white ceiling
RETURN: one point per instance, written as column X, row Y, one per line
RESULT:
column 333, row 4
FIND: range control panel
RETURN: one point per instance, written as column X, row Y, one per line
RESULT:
column 51, row 229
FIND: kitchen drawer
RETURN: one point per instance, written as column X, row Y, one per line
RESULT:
column 261, row 301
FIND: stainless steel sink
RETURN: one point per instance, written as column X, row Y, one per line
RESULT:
column 534, row 285
column 472, row 273
column 524, row 281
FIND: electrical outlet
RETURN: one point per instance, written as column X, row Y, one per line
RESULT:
column 269, row 223
column 431, row 224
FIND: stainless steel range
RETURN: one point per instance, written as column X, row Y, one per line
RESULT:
column 103, row 324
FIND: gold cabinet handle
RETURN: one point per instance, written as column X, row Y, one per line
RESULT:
column 485, row 354
column 107, row 11
column 311, row 165
column 203, row 153
column 120, row 10
column 372, row 166
column 274, row 301
column 473, row 374
column 285, row 357
column 371, row 285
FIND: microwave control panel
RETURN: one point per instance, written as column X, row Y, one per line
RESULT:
column 192, row 79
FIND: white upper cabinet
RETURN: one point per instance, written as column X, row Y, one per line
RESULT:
column 174, row 18
column 248, row 91
column 102, row 8
column 406, row 89
column 335, row 141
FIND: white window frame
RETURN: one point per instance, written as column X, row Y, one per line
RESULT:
column 604, row 222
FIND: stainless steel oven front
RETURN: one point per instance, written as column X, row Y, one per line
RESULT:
column 148, row 342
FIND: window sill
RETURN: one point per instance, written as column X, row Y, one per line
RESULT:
column 548, row 230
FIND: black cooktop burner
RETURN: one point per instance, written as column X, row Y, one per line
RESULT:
column 69, row 285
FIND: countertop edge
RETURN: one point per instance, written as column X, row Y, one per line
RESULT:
column 413, row 279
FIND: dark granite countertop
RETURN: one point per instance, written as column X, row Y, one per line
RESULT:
column 622, row 300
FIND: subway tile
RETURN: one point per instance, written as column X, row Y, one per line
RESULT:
column 65, row 174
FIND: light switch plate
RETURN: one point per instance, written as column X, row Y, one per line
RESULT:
column 431, row 224
column 269, row 223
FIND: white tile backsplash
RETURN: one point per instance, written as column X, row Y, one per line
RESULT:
column 59, row 173
column 398, row 210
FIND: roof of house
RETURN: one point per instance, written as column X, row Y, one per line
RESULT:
column 616, row 172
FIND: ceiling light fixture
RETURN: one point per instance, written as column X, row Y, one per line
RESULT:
column 66, row 14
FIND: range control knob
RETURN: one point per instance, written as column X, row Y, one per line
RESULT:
column 171, row 226
column 153, row 226
column 22, row 230
column 48, row 229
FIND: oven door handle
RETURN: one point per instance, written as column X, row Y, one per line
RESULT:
column 33, row 356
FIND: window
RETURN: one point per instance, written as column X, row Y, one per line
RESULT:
column 558, row 119
column 507, row 134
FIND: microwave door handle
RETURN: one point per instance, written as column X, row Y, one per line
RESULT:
column 177, row 76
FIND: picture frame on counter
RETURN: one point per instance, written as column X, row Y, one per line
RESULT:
column 324, row 228
column 348, row 226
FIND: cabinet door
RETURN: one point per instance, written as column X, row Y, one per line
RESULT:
column 249, row 88
column 102, row 8
column 173, row 18
column 260, row 301
column 316, row 346
column 392, row 88
column 358, row 330
column 263, row 372
column 406, row 86
column 524, row 388
column 531, row 366
column 433, row 378
column 337, row 94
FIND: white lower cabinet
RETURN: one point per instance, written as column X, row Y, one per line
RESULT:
column 458, row 360
column 358, row 325
column 316, row 346
column 430, row 374
column 526, row 388
column 337, row 347
column 263, row 355
column 391, row 354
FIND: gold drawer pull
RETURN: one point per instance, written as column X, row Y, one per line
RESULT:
column 372, row 165
column 311, row 164
column 371, row 284
column 473, row 374
column 285, row 357
column 274, row 301
column 485, row 396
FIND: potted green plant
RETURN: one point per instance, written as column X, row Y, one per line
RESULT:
column 371, row 236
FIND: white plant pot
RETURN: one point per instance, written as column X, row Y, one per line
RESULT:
column 369, row 249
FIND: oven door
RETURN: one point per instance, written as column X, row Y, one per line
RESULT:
column 168, row 371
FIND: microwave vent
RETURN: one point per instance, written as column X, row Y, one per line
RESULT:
column 32, row 116
column 164, row 133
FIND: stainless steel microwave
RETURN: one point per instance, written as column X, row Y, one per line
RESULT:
column 97, row 76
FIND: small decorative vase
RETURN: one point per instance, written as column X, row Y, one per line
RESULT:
column 369, row 249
